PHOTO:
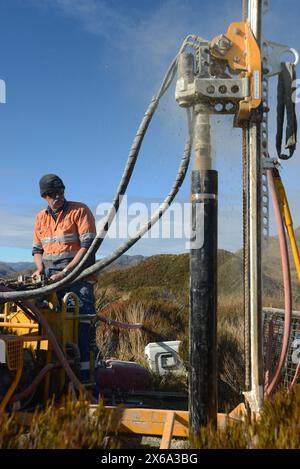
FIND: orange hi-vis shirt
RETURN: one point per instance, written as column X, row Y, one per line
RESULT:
column 59, row 240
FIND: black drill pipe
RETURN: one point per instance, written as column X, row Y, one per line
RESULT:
column 203, row 300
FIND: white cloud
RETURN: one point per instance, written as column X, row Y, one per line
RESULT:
column 97, row 17
column 16, row 230
column 148, row 41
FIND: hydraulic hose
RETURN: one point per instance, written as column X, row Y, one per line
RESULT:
column 287, row 217
column 32, row 387
column 132, row 157
column 99, row 265
column 296, row 375
column 56, row 347
column 286, row 282
column 120, row 325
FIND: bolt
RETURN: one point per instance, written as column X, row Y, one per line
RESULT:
column 223, row 89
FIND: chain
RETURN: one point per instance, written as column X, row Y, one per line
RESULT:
column 246, row 298
column 245, row 146
column 244, row 10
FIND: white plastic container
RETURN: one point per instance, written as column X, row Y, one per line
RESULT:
column 163, row 357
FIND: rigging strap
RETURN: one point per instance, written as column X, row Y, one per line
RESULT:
column 286, row 101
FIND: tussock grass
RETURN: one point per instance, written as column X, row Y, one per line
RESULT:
column 69, row 426
column 277, row 428
column 160, row 321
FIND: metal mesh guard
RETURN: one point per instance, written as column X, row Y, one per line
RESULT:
column 276, row 317
column 14, row 353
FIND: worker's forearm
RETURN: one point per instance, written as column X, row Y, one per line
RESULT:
column 77, row 258
column 38, row 260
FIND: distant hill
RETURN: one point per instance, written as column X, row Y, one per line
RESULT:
column 126, row 261
column 11, row 268
column 171, row 272
column 21, row 266
column 5, row 269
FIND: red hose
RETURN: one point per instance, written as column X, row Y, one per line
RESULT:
column 269, row 354
column 32, row 387
column 121, row 325
column 286, row 283
column 294, row 381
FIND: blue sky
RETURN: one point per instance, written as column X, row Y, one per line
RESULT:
column 79, row 76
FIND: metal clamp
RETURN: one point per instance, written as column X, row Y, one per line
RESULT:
column 272, row 56
column 211, row 90
column 270, row 163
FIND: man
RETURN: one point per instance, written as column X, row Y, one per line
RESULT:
column 62, row 235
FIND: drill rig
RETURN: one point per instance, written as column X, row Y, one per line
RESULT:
column 227, row 75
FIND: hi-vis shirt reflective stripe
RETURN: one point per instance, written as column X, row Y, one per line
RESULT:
column 87, row 237
column 62, row 238
column 59, row 256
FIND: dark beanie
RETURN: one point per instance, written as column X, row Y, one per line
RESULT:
column 50, row 182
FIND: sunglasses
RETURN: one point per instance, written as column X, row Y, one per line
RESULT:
column 53, row 194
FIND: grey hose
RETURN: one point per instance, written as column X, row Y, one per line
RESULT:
column 99, row 265
column 132, row 157
column 133, row 154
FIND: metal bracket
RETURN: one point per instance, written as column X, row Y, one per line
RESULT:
column 222, row 88
column 252, row 398
column 270, row 163
column 272, row 56
column 213, row 90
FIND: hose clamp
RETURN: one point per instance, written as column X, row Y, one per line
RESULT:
column 201, row 196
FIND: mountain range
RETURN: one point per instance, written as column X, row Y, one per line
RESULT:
column 171, row 270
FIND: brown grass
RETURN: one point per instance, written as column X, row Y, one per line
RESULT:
column 69, row 426
column 160, row 322
column 277, row 428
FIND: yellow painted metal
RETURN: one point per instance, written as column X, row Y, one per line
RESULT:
column 70, row 322
column 14, row 358
column 17, row 321
column 158, row 422
column 145, row 421
column 18, row 325
column 168, row 430
column 155, row 422
column 244, row 57
column 62, row 321
column 287, row 217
